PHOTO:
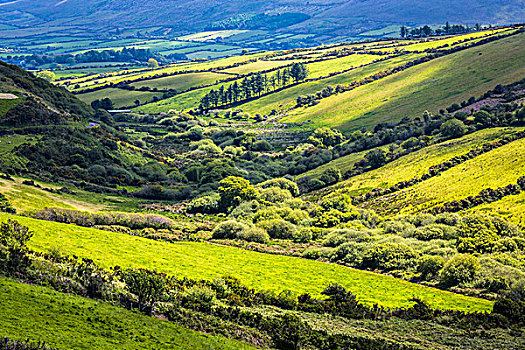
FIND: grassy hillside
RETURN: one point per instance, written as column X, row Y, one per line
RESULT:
column 70, row 322
column 429, row 86
column 119, row 97
column 492, row 169
column 497, row 168
column 414, row 164
column 262, row 271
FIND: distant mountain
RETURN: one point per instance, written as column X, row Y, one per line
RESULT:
column 318, row 16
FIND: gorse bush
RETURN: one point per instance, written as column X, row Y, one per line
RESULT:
column 461, row 268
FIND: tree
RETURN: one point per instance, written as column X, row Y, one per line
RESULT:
column 233, row 190
column 404, row 31
column 453, row 128
column 298, row 72
column 105, row 103
column 147, row 285
column 14, row 238
column 46, row 75
column 153, row 63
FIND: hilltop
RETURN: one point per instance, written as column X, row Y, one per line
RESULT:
column 330, row 17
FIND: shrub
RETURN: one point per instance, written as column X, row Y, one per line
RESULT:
column 435, row 231
column 461, row 268
column 278, row 228
column 350, row 253
column 245, row 209
column 453, row 128
column 233, row 190
column 206, row 205
column 199, row 298
column 269, row 213
column 316, row 253
column 228, row 230
column 429, row 266
column 14, row 238
column 295, row 216
column 342, row 203
column 303, row 235
column 254, row 234
column 390, row 256
column 5, row 206
column 331, row 176
column 283, row 183
column 275, row 195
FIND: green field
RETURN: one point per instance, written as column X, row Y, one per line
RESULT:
column 414, row 164
column 120, row 97
column 261, row 271
column 286, row 98
column 70, row 322
column 497, row 168
column 182, row 82
column 7, row 104
column 429, row 86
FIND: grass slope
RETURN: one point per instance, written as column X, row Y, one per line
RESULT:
column 72, row 322
column 412, row 165
column 182, row 82
column 120, row 98
column 429, row 86
column 261, row 271
column 497, row 168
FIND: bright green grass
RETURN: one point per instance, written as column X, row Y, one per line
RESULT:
column 182, row 82
column 323, row 68
column 261, row 271
column 286, row 98
column 512, row 208
column 497, row 168
column 414, row 164
column 71, row 322
column 120, row 97
column 429, row 86
column 257, row 66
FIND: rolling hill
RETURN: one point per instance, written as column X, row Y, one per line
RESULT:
column 327, row 17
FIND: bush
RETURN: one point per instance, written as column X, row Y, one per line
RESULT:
column 429, row 266
column 283, row 183
column 316, row 253
column 350, row 253
column 5, row 206
column 342, row 203
column 245, row 209
column 331, row 176
column 278, row 228
column 254, row 234
column 275, row 195
column 205, row 205
column 460, row 269
column 435, row 231
column 199, row 298
column 390, row 256
column 303, row 235
column 228, row 230
column 453, row 128
column 234, row 190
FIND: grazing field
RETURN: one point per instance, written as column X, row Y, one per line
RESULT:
column 497, row 168
column 261, row 271
column 120, row 97
column 429, row 86
column 414, row 164
column 7, row 104
column 286, row 98
column 182, row 82
column 70, row 322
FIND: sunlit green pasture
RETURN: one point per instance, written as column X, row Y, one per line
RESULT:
column 429, row 86
column 70, row 322
column 261, row 271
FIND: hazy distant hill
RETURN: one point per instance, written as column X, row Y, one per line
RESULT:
column 348, row 16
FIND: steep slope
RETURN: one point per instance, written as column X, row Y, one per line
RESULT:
column 39, row 102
